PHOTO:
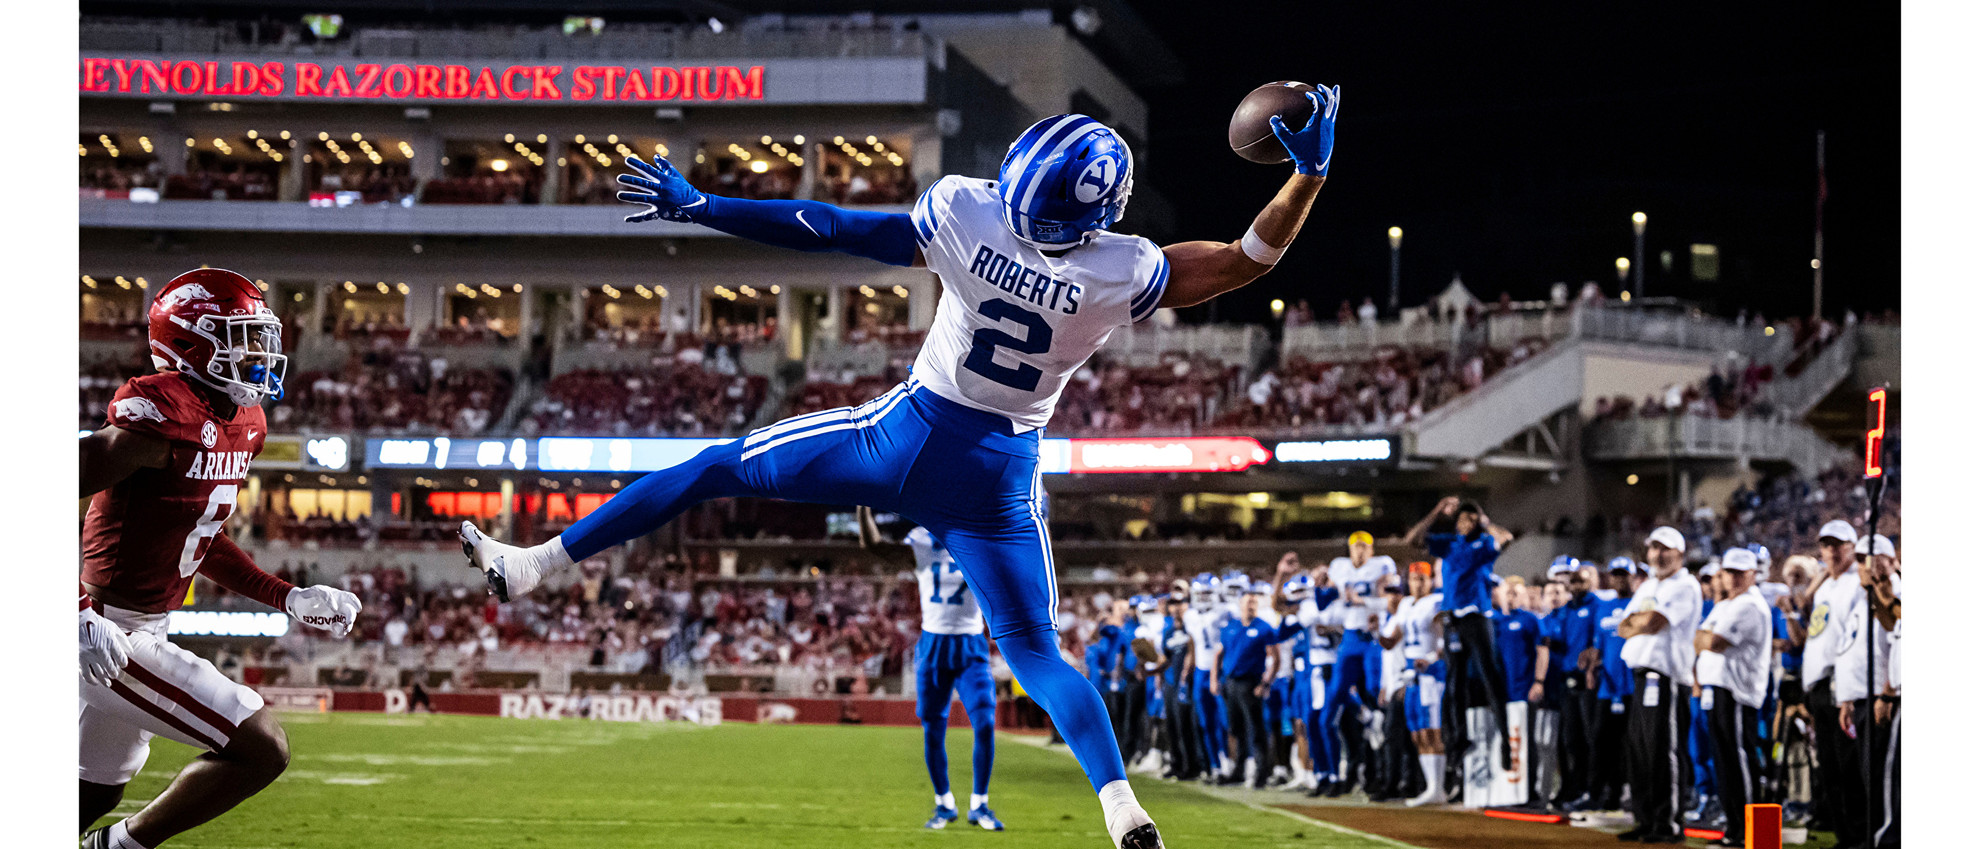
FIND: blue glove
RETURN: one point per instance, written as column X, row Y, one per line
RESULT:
column 662, row 190
column 1312, row 148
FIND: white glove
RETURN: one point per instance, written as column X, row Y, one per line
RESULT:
column 327, row 608
column 104, row 648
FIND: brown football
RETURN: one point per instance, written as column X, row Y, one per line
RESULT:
column 1251, row 125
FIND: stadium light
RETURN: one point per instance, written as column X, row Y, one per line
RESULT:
column 1638, row 221
column 1278, row 308
column 499, row 165
column 1395, row 269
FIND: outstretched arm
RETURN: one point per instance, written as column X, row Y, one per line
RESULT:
column 803, row 225
column 871, row 540
column 113, row 454
column 1200, row 271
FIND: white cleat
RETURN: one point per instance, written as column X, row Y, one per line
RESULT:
column 1432, row 796
column 510, row 572
column 1131, row 828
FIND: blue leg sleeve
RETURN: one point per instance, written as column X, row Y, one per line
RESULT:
column 808, row 225
column 934, row 742
column 848, row 455
column 979, row 698
column 655, row 500
column 1071, row 701
column 1209, row 719
column 1339, row 678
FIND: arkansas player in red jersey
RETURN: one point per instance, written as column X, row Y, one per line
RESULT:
column 164, row 474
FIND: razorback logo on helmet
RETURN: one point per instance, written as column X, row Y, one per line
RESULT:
column 137, row 409
column 184, row 294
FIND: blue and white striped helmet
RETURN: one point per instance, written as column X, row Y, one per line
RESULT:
column 1064, row 178
column 1203, row 591
column 1233, row 586
column 1299, row 588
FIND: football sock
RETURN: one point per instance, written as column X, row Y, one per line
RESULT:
column 945, row 799
column 120, row 838
column 1433, row 772
column 936, row 753
column 1068, row 698
column 978, row 800
column 985, row 755
column 1123, row 813
column 549, row 556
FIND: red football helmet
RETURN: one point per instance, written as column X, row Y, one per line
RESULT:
column 212, row 325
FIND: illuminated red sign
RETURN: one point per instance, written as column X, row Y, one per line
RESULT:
column 1179, row 454
column 1873, row 435
column 416, row 82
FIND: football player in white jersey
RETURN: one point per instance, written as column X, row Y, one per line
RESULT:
column 1033, row 284
column 1417, row 628
column 1360, row 577
column 952, row 659
column 1204, row 621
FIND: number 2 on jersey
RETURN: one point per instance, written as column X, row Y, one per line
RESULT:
column 219, row 506
column 962, row 585
column 985, row 342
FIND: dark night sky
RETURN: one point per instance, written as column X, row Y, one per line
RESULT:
column 1512, row 145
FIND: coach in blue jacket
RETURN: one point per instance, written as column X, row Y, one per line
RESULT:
column 1244, row 664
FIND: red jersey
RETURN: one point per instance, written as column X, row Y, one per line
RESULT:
column 144, row 538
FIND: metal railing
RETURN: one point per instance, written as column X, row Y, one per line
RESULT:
column 1795, row 396
column 1700, row 437
column 1681, row 328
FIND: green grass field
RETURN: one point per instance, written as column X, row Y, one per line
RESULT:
column 426, row 781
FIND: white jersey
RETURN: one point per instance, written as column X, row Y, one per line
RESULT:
column 1014, row 323
column 1320, row 650
column 1282, row 648
column 1367, row 580
column 1205, row 627
column 1416, row 621
column 947, row 605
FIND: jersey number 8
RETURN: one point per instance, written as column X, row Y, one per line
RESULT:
column 219, row 506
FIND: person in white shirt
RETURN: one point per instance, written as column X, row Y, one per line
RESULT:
column 1839, row 775
column 1418, row 629
column 1867, row 698
column 1657, row 633
column 1735, row 656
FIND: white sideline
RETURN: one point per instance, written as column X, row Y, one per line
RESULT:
column 1037, row 742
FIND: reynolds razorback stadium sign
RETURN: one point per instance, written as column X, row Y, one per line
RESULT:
column 786, row 81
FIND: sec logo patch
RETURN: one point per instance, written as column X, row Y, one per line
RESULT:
column 209, row 434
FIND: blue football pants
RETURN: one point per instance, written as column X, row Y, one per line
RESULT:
column 960, row 472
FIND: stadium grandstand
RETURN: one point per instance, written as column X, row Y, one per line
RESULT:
column 428, row 202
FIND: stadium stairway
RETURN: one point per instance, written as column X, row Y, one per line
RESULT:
column 1797, row 395
column 1571, row 374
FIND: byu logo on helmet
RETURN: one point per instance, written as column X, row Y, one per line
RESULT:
column 1064, row 179
column 1095, row 180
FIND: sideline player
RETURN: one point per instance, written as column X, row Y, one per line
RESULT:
column 162, row 477
column 1468, row 554
column 1418, row 628
column 952, row 659
column 1204, row 622
column 1360, row 576
column 1034, row 284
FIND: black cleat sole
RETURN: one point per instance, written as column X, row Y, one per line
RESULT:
column 497, row 585
column 1143, row 837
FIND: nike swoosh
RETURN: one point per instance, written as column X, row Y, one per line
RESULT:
column 251, row 434
column 807, row 225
